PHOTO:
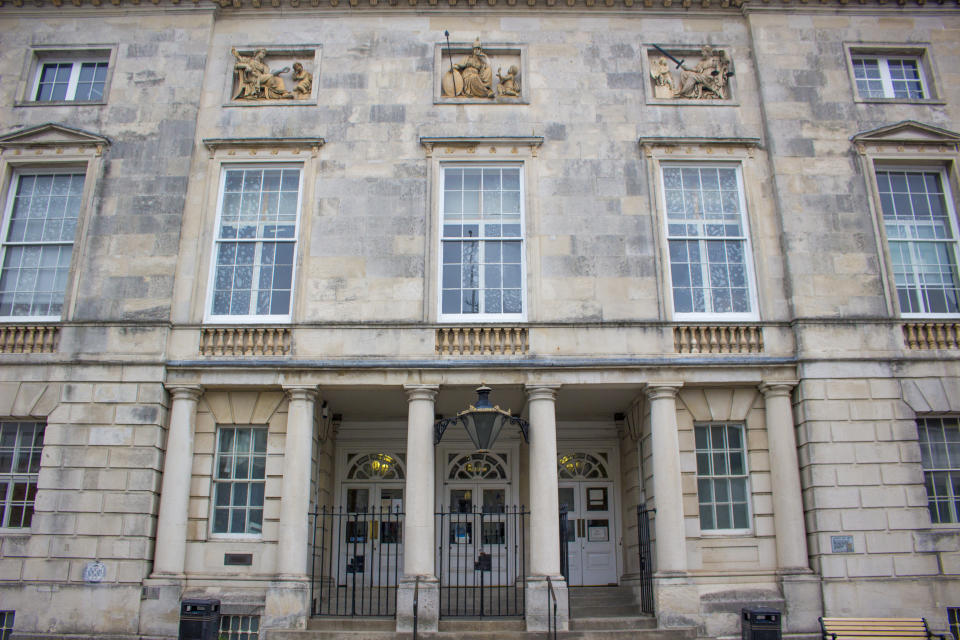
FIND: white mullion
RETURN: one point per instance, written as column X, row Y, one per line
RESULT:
column 74, row 79
column 884, row 65
column 255, row 277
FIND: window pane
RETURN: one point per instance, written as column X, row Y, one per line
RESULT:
column 239, row 487
column 255, row 276
column 484, row 275
column 721, row 476
column 21, row 444
column 708, row 266
column 43, row 220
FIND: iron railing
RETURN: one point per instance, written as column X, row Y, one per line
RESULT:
column 482, row 561
column 357, row 561
column 416, row 605
column 646, row 559
column 551, row 611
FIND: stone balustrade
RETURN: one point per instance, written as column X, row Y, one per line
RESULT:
column 28, row 339
column 718, row 339
column 476, row 341
column 245, row 341
column 932, row 335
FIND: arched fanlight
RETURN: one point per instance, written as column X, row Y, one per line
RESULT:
column 482, row 421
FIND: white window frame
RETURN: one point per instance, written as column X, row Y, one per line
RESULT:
column 953, row 243
column 15, row 178
column 883, row 64
column 76, row 63
column 744, row 477
column 953, row 468
column 483, row 317
column 14, row 476
column 753, row 314
column 209, row 316
column 883, row 52
column 214, row 482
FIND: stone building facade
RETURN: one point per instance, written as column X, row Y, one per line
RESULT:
column 252, row 252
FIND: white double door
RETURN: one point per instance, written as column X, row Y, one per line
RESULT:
column 591, row 532
column 476, row 535
column 371, row 530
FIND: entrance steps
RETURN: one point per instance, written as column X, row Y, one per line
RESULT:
column 596, row 613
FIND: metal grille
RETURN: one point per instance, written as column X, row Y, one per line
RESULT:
column 357, row 561
column 482, row 563
column 646, row 559
column 239, row 627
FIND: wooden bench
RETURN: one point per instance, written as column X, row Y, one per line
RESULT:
column 875, row 628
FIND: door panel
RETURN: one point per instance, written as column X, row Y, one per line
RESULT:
column 591, row 532
column 372, row 535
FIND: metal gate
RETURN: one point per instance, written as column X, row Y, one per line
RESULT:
column 646, row 559
column 357, row 561
column 482, row 564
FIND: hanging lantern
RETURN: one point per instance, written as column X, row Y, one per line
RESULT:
column 482, row 421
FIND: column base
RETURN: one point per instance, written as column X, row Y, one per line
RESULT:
column 540, row 604
column 287, row 604
column 803, row 594
column 160, row 607
column 428, row 604
column 676, row 601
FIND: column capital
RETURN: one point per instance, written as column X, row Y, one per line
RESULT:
column 185, row 391
column 663, row 390
column 777, row 388
column 541, row 391
column 421, row 392
column 300, row 392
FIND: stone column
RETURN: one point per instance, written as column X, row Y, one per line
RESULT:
column 419, row 538
column 785, row 478
column 544, row 530
column 287, row 604
column 801, row 588
column 295, row 500
column 667, row 488
column 171, row 545
column 677, row 599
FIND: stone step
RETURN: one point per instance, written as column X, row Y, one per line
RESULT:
column 593, row 634
column 612, row 623
column 336, row 623
column 604, row 610
column 482, row 624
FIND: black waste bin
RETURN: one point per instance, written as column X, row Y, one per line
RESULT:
column 199, row 619
column 760, row 624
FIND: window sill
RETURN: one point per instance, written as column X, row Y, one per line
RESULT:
column 922, row 101
column 727, row 533
column 60, row 103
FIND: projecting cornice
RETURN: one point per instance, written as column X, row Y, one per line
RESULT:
column 685, row 7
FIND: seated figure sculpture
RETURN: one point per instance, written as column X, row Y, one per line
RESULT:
column 256, row 80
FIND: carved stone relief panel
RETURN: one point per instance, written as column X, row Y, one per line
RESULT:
column 270, row 75
column 479, row 73
column 684, row 74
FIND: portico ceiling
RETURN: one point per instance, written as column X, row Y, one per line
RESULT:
column 574, row 402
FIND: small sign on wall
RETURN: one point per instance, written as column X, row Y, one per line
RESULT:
column 841, row 544
column 94, row 571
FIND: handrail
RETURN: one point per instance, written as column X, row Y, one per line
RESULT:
column 416, row 604
column 551, row 598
